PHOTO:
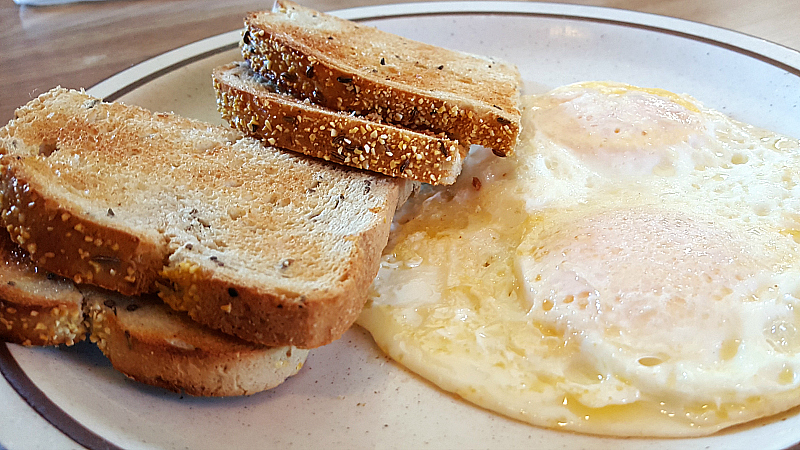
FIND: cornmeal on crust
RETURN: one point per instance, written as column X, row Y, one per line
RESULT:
column 345, row 66
column 153, row 344
column 141, row 336
column 36, row 307
column 247, row 101
column 273, row 247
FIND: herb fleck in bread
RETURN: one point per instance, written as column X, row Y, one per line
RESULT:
column 248, row 103
column 273, row 247
column 349, row 67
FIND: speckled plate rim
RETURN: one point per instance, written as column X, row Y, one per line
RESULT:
column 147, row 71
column 763, row 50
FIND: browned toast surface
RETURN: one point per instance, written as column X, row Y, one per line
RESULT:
column 36, row 307
column 142, row 337
column 151, row 343
column 273, row 247
column 346, row 66
column 250, row 105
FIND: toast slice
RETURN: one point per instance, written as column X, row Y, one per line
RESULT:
column 273, row 247
column 36, row 307
column 249, row 103
column 141, row 336
column 153, row 344
column 345, row 66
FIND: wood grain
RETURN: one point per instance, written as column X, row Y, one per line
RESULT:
column 80, row 44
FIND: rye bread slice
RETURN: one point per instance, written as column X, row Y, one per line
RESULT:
column 346, row 66
column 36, row 307
column 249, row 103
column 151, row 343
column 273, row 247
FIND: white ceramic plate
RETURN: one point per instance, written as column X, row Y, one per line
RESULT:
column 349, row 395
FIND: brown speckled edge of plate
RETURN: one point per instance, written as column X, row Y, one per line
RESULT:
column 159, row 73
column 44, row 406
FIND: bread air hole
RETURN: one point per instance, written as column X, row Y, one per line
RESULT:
column 47, row 148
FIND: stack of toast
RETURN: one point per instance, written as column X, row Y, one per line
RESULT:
column 143, row 338
column 205, row 260
column 334, row 89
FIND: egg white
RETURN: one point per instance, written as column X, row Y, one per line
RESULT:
column 632, row 270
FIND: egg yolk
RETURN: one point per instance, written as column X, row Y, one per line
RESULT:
column 646, row 281
column 620, row 128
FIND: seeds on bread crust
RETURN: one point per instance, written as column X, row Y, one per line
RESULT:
column 36, row 308
column 292, row 319
column 69, row 245
column 28, row 321
column 368, row 71
column 152, row 344
column 345, row 139
column 141, row 336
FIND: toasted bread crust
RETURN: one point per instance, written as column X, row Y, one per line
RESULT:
column 36, row 308
column 348, row 67
column 26, row 322
column 63, row 239
column 282, row 121
column 142, row 337
column 152, row 344
column 273, row 315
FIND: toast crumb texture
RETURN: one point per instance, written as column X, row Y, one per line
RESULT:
column 346, row 66
column 274, row 247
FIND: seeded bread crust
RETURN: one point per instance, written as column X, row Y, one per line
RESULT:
column 344, row 66
column 248, row 103
column 74, row 245
column 141, row 336
column 36, row 308
column 273, row 247
column 153, row 344
column 47, row 218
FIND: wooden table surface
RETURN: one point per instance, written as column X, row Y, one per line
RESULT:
column 79, row 44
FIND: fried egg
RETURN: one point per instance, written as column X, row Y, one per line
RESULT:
column 633, row 270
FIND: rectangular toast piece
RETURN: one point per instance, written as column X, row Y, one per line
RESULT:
column 249, row 104
column 153, row 344
column 141, row 336
column 273, row 247
column 345, row 66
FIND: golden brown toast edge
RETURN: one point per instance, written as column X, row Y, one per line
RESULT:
column 257, row 314
column 281, row 121
column 306, row 68
column 184, row 357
